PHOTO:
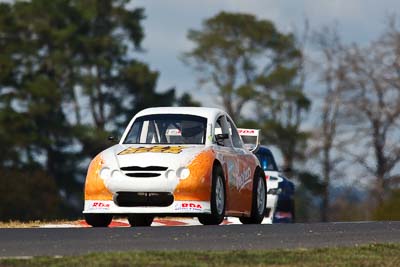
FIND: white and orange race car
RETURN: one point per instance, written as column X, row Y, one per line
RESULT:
column 176, row 161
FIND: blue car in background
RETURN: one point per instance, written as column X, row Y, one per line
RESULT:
column 280, row 195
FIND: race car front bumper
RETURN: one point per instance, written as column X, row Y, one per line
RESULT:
column 177, row 207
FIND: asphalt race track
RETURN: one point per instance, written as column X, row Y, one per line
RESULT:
column 17, row 242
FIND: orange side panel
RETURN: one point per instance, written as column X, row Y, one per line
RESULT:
column 94, row 185
column 197, row 186
column 242, row 195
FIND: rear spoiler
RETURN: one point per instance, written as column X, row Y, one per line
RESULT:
column 250, row 138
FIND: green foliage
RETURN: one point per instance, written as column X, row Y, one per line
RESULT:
column 251, row 63
column 365, row 255
column 312, row 182
column 68, row 80
column 348, row 206
column 306, row 206
column 28, row 194
column 389, row 209
column 290, row 140
column 238, row 53
column 137, row 78
column 186, row 100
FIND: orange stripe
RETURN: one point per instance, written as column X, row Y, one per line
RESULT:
column 197, row 187
column 94, row 185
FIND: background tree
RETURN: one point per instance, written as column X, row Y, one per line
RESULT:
column 250, row 62
column 372, row 97
column 326, row 144
column 186, row 100
column 234, row 51
column 282, row 105
column 281, row 108
column 388, row 210
column 68, row 78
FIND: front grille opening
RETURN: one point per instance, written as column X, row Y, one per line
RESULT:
column 143, row 199
column 148, row 168
column 143, row 174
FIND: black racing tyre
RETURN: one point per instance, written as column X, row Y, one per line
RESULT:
column 293, row 212
column 140, row 220
column 259, row 199
column 218, row 199
column 285, row 205
column 98, row 219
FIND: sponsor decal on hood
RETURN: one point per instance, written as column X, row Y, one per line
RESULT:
column 153, row 149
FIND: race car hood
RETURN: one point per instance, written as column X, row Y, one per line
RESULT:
column 120, row 156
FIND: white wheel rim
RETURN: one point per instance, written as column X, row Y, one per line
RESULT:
column 260, row 196
column 219, row 195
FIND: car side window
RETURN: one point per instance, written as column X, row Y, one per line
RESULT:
column 221, row 127
column 263, row 161
column 236, row 140
column 134, row 133
column 266, row 160
column 218, row 127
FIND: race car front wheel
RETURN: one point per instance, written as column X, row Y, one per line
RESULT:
column 258, row 201
column 218, row 199
column 140, row 220
column 98, row 219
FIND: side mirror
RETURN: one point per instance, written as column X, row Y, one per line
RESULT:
column 220, row 138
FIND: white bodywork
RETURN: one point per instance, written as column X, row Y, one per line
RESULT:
column 273, row 181
column 176, row 159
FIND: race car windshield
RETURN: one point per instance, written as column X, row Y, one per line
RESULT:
column 167, row 129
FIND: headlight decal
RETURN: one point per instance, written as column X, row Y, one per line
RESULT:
column 183, row 173
column 105, row 173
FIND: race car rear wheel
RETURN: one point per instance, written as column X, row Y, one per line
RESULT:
column 258, row 201
column 218, row 199
column 140, row 220
column 98, row 219
column 286, row 206
column 293, row 212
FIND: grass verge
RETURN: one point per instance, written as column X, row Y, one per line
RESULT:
column 32, row 224
column 367, row 255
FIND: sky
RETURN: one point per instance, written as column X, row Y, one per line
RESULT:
column 167, row 23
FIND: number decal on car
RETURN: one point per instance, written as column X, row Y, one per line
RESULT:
column 154, row 149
